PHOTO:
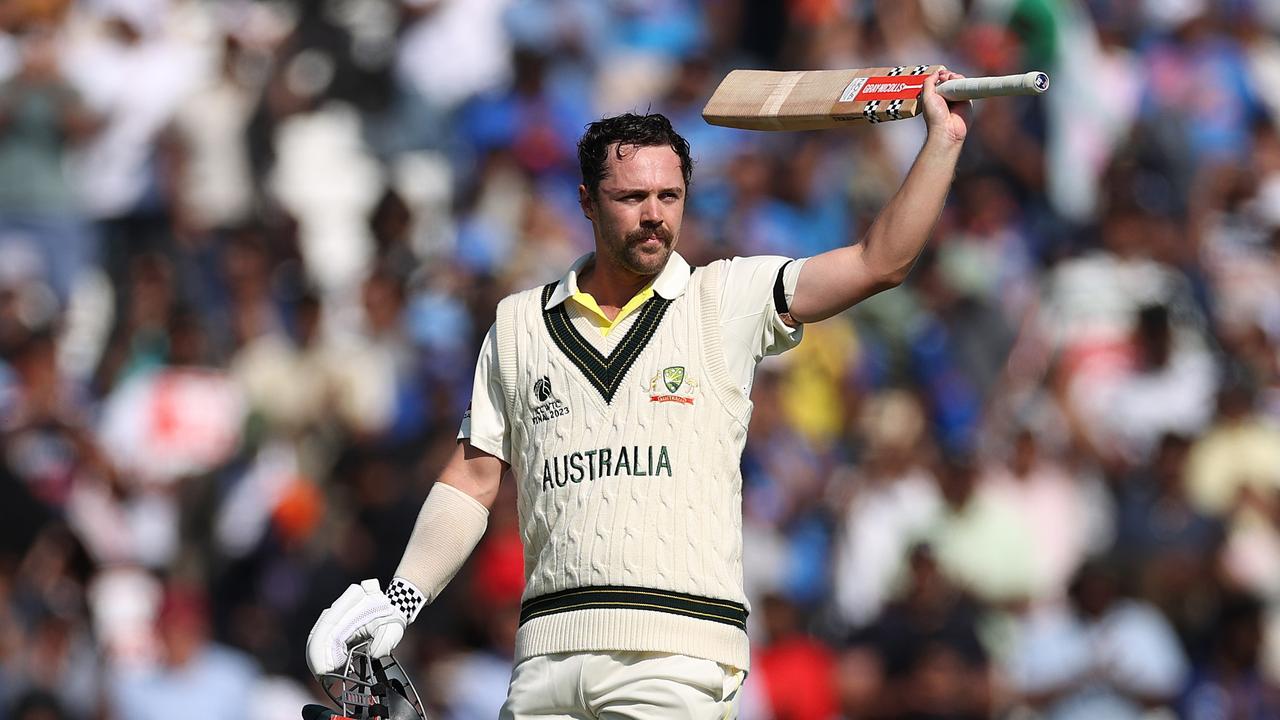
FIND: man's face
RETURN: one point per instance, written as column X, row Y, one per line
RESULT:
column 638, row 208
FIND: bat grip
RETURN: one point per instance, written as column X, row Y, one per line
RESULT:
column 1031, row 83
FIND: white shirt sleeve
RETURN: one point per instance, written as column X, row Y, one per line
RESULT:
column 751, row 327
column 485, row 421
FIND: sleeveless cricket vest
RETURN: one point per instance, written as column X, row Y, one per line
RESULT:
column 629, row 479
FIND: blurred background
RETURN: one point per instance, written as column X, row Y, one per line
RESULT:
column 248, row 250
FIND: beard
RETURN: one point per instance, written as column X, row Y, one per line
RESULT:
column 636, row 256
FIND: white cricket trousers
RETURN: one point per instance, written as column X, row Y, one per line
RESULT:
column 622, row 686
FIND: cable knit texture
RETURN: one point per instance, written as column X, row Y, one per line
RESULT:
column 644, row 491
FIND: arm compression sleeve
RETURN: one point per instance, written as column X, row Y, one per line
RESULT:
column 449, row 525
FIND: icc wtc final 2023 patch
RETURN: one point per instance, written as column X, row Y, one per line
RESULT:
column 550, row 407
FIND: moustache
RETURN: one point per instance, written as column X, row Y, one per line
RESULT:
column 661, row 232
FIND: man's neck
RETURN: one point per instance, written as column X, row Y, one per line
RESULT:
column 611, row 286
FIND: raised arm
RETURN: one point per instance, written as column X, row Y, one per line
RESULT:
column 452, row 520
column 834, row 281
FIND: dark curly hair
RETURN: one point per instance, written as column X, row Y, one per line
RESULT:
column 651, row 130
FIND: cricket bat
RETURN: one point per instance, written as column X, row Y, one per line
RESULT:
column 819, row 99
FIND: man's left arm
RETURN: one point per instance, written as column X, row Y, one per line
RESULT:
column 836, row 280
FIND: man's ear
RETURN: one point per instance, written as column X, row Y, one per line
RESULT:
column 584, row 202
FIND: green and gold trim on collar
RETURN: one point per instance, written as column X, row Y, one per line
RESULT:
column 604, row 373
column 633, row 598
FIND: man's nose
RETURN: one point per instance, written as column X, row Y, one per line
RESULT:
column 651, row 212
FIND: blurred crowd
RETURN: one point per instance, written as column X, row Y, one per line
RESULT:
column 248, row 249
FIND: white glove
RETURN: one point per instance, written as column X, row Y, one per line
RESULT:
column 363, row 612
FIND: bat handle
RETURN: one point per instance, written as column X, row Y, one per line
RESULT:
column 1031, row 83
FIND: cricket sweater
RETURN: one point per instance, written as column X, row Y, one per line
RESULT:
column 629, row 480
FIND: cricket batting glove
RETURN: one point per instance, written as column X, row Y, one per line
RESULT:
column 363, row 612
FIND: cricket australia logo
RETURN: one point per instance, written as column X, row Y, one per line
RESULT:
column 673, row 377
column 547, row 406
column 679, row 388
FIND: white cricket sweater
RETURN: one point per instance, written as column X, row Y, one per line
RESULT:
column 630, row 490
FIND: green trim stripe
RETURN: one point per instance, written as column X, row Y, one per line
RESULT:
column 633, row 598
column 604, row 373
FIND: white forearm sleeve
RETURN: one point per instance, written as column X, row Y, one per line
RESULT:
column 449, row 525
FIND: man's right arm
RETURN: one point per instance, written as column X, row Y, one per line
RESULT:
column 451, row 522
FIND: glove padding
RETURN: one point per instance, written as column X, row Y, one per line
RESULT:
column 363, row 612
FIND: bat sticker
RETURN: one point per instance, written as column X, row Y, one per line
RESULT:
column 902, row 87
column 852, row 91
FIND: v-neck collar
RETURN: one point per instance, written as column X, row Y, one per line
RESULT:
column 605, row 373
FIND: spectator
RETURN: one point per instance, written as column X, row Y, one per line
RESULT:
column 133, row 72
column 889, row 507
column 1157, row 521
column 1066, row 515
column 1192, row 57
column 784, row 483
column 1168, row 387
column 192, row 671
column 956, row 349
column 215, row 182
column 923, row 658
column 50, row 652
column 971, row 525
column 796, row 669
column 1240, row 453
column 451, row 52
column 1233, row 474
column 1168, row 547
column 1086, row 325
column 42, row 120
column 1230, row 684
column 1102, row 655
column 281, row 372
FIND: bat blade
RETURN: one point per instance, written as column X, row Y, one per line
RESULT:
column 820, row 99
column 811, row 99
